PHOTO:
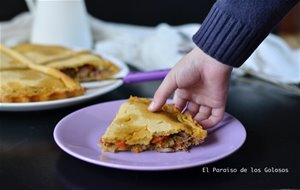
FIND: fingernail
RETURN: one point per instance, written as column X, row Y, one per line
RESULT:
column 151, row 106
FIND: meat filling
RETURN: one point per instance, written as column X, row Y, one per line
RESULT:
column 86, row 72
column 176, row 142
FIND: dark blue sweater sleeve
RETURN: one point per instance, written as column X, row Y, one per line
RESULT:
column 234, row 28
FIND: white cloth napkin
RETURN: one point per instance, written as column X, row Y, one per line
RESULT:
column 16, row 30
column 274, row 61
column 160, row 47
column 147, row 48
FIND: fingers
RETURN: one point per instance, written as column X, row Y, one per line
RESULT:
column 179, row 102
column 192, row 108
column 205, row 115
column 214, row 117
column 204, row 112
column 164, row 91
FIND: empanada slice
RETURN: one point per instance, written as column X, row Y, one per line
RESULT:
column 43, row 54
column 86, row 66
column 80, row 65
column 39, row 54
column 136, row 129
column 35, row 82
column 27, row 85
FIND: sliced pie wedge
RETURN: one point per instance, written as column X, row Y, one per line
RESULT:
column 79, row 65
column 34, row 82
column 39, row 54
column 136, row 129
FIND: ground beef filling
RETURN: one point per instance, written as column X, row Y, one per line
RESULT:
column 86, row 72
column 176, row 142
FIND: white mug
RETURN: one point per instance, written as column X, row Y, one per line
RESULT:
column 60, row 22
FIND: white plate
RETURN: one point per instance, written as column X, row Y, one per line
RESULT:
column 96, row 89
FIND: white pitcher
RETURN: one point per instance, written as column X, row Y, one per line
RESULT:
column 60, row 22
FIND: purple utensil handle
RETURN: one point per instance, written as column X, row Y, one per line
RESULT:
column 136, row 77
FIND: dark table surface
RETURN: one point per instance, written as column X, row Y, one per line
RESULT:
column 30, row 158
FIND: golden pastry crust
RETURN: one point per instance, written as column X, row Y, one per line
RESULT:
column 28, row 85
column 36, row 83
column 7, row 62
column 43, row 54
column 79, row 65
column 86, row 66
column 135, row 125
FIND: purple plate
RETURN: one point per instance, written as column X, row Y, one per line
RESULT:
column 78, row 134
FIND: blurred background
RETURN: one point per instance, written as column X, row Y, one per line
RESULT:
column 151, row 12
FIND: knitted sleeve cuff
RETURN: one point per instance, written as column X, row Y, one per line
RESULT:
column 226, row 39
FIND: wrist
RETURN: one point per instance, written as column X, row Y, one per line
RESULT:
column 212, row 65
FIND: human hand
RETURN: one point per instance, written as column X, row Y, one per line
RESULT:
column 200, row 83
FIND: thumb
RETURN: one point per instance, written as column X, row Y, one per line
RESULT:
column 164, row 91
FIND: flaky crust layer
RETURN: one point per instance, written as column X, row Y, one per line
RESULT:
column 79, row 65
column 36, row 83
